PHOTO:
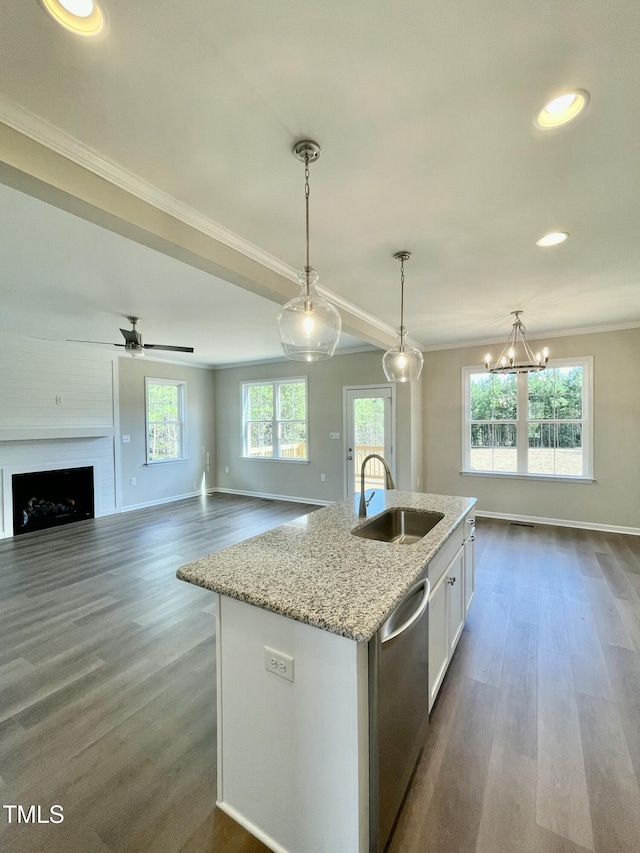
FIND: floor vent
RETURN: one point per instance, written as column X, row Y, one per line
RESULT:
column 521, row 524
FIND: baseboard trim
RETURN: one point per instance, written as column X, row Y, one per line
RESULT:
column 270, row 497
column 561, row 522
column 173, row 499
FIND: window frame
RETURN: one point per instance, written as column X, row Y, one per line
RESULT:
column 276, row 420
column 523, row 420
column 181, row 384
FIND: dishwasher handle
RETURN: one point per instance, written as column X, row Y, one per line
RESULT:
column 417, row 614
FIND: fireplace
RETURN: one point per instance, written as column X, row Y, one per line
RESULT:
column 44, row 499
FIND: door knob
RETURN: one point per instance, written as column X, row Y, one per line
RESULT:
column 349, row 458
column 451, row 581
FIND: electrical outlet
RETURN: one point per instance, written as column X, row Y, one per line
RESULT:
column 323, row 478
column 126, row 439
column 226, row 469
column 417, row 481
column 59, row 400
column 334, row 435
column 132, row 481
column 278, row 663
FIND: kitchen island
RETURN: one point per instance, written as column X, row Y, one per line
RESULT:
column 296, row 610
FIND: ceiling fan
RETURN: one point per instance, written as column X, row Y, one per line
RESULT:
column 133, row 341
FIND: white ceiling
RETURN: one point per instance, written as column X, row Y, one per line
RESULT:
column 424, row 115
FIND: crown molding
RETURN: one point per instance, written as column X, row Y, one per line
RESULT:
column 55, row 139
column 283, row 360
column 565, row 333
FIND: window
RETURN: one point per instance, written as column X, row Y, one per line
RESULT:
column 530, row 424
column 165, row 419
column 274, row 416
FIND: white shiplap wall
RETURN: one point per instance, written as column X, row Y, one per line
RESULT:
column 57, row 409
column 34, row 373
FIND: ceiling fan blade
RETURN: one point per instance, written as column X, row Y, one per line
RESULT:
column 168, row 349
column 108, row 343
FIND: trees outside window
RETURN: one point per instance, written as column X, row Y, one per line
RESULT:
column 529, row 423
column 165, row 412
column 274, row 416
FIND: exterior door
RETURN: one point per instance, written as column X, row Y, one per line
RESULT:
column 368, row 429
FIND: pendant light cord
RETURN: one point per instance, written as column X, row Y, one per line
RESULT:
column 307, row 268
column 401, row 304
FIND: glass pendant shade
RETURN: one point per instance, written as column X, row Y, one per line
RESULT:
column 308, row 325
column 402, row 363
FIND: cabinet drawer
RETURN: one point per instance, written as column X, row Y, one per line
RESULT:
column 445, row 555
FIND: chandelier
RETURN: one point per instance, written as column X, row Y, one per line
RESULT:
column 509, row 360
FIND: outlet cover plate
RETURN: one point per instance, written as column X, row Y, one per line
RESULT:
column 278, row 663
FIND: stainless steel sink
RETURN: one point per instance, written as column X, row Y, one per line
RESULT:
column 399, row 526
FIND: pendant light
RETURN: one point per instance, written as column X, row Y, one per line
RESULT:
column 402, row 363
column 508, row 362
column 308, row 326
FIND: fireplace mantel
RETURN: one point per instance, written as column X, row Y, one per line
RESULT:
column 50, row 432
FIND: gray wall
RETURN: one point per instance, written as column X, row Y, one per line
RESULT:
column 173, row 479
column 326, row 380
column 614, row 499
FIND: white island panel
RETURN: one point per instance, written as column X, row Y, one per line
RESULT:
column 292, row 756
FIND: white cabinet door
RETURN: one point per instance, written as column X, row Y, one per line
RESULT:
column 438, row 637
column 469, row 571
column 455, row 600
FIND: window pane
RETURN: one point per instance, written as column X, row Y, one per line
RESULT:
column 493, row 447
column 293, row 440
column 493, row 397
column 556, row 393
column 569, row 392
column 260, row 439
column 165, row 421
column 292, row 401
column 556, row 449
column 260, row 402
column 154, row 396
column 368, row 416
column 164, row 441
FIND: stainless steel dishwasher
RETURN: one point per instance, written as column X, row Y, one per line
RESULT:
column 398, row 708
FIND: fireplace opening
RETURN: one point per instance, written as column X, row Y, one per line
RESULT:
column 50, row 498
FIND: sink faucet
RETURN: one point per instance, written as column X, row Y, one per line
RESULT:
column 389, row 484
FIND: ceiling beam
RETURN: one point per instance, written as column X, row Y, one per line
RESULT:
column 31, row 167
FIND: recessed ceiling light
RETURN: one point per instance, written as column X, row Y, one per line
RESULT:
column 562, row 109
column 553, row 238
column 82, row 17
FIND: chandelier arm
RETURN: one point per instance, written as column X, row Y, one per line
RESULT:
column 527, row 348
column 510, row 344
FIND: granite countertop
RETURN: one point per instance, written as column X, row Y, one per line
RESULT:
column 313, row 570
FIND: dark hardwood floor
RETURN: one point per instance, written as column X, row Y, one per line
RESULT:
column 107, row 692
